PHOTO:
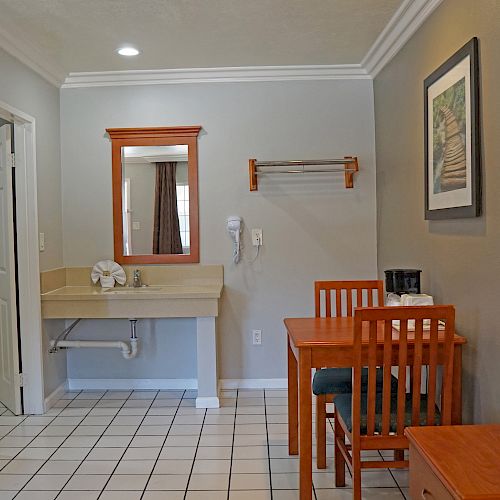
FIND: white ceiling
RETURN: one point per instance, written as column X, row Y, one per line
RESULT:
column 82, row 35
column 152, row 154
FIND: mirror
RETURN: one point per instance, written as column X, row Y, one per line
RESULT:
column 155, row 200
column 155, row 195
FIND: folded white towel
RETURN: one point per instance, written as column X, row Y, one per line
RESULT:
column 107, row 272
column 411, row 325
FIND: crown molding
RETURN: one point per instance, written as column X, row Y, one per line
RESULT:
column 403, row 24
column 31, row 56
column 213, row 75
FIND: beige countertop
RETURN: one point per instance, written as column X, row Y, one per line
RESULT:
column 212, row 291
column 170, row 291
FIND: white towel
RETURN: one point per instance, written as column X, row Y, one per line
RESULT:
column 107, row 272
column 411, row 325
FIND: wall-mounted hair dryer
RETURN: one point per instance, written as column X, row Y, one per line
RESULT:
column 234, row 230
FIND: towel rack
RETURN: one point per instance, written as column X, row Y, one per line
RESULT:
column 349, row 166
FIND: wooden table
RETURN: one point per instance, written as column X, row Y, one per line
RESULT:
column 455, row 462
column 328, row 342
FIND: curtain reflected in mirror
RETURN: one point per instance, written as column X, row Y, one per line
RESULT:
column 155, row 200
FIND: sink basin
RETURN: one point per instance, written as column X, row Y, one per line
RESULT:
column 130, row 289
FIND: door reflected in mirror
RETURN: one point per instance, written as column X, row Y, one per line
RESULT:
column 155, row 200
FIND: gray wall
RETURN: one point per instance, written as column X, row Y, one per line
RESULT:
column 23, row 89
column 459, row 258
column 312, row 227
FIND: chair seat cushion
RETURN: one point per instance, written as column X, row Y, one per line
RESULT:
column 343, row 407
column 339, row 381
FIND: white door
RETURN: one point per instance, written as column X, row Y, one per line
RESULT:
column 10, row 387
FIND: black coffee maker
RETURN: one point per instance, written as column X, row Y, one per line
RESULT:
column 402, row 281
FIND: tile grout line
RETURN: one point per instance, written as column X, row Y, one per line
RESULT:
column 34, row 437
column 232, row 444
column 163, row 444
column 195, row 453
column 133, row 436
column 268, row 447
column 92, row 448
column 9, row 460
column 395, row 480
column 54, row 452
column 146, row 409
column 61, row 444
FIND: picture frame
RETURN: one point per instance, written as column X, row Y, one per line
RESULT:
column 452, row 146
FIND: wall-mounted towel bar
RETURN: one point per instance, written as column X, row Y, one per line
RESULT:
column 349, row 166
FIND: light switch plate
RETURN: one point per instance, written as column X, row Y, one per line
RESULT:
column 41, row 242
column 257, row 337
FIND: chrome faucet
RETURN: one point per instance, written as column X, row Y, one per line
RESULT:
column 137, row 283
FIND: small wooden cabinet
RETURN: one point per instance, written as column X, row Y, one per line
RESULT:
column 454, row 462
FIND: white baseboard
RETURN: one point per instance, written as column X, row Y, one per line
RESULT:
column 54, row 396
column 253, row 383
column 210, row 402
column 79, row 384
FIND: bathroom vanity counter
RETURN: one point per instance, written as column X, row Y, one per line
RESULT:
column 158, row 301
column 192, row 291
column 145, row 292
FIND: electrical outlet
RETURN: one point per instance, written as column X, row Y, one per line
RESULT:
column 256, row 237
column 41, row 242
column 257, row 337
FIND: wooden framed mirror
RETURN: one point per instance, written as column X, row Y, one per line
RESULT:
column 155, row 195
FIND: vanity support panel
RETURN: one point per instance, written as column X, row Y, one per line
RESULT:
column 208, row 394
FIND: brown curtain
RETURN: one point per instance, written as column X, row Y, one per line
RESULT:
column 166, row 232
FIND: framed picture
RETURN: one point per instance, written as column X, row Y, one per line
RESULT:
column 452, row 142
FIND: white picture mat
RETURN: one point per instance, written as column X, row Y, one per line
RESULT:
column 458, row 197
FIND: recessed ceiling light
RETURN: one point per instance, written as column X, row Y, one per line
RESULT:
column 128, row 51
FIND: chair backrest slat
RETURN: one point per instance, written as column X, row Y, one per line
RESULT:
column 432, row 378
column 447, row 386
column 338, row 302
column 356, row 374
column 417, row 372
column 402, row 363
column 379, row 345
column 349, row 301
column 372, row 378
column 359, row 297
column 338, row 288
column 370, row 299
column 328, row 302
column 387, row 386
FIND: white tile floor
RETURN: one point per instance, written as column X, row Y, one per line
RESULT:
column 131, row 445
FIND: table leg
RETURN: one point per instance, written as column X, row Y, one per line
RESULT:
column 293, row 404
column 305, row 424
column 456, row 410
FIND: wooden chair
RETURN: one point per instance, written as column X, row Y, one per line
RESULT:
column 376, row 421
column 335, row 298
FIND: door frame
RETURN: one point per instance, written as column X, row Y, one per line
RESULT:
column 28, row 258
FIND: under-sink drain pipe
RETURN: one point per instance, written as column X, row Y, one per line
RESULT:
column 129, row 350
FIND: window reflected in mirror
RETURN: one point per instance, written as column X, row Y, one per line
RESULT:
column 155, row 200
